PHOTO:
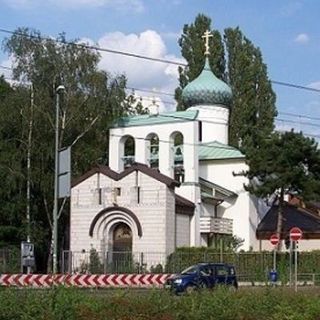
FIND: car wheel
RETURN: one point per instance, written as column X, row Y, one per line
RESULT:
column 233, row 288
column 190, row 289
column 202, row 285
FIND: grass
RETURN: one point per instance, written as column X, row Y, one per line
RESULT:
column 245, row 304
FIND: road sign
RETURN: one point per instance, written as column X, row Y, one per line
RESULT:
column 274, row 239
column 295, row 234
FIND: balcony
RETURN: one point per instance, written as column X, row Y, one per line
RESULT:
column 216, row 225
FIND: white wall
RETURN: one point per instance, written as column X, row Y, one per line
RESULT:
column 188, row 129
column 182, row 230
column 215, row 122
column 241, row 210
column 155, row 212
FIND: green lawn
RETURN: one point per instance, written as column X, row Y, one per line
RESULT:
column 245, row 304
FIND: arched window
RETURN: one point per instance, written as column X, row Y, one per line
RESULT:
column 178, row 159
column 153, row 157
column 128, row 157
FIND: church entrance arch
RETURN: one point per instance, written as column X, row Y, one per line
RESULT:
column 122, row 238
column 122, row 248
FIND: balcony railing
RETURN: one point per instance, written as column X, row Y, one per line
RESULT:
column 216, row 225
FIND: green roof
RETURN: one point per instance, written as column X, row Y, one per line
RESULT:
column 206, row 89
column 216, row 150
column 161, row 118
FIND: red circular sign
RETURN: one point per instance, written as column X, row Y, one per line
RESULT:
column 295, row 234
column 274, row 239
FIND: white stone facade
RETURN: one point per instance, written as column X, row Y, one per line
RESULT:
column 99, row 203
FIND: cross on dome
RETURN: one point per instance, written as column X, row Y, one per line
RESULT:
column 206, row 36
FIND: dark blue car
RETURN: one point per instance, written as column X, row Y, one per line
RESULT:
column 203, row 275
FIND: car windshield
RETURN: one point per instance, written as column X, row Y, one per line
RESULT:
column 192, row 269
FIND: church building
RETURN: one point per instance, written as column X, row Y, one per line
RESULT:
column 171, row 181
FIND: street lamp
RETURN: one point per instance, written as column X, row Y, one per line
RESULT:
column 59, row 90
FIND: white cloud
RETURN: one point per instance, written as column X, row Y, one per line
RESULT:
column 302, row 38
column 141, row 73
column 314, row 85
column 127, row 5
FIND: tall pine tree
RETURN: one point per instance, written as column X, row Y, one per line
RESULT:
column 253, row 106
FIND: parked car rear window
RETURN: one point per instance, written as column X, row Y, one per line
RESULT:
column 221, row 271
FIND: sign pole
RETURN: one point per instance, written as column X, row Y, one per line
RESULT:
column 295, row 267
column 290, row 264
column 274, row 239
column 295, row 235
column 274, row 258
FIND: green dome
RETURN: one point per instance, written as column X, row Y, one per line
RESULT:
column 206, row 89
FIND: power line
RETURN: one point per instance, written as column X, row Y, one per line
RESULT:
column 152, row 91
column 138, row 56
column 86, row 46
column 6, row 68
column 296, row 86
column 297, row 122
column 298, row 115
column 173, row 103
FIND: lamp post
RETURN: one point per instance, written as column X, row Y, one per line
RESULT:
column 59, row 90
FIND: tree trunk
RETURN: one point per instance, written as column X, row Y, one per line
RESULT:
column 280, row 219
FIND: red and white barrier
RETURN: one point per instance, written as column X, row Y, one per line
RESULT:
column 84, row 280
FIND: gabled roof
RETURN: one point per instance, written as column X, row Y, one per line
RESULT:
column 216, row 151
column 212, row 191
column 292, row 217
column 153, row 173
column 161, row 118
column 184, row 206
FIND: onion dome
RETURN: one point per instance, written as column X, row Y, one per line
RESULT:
column 206, row 89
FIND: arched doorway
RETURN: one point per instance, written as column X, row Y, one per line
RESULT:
column 122, row 238
column 122, row 248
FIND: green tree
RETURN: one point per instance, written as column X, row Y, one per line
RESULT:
column 285, row 163
column 12, row 217
column 92, row 100
column 192, row 49
column 253, row 106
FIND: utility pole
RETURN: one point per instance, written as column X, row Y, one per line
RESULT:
column 29, row 168
column 59, row 90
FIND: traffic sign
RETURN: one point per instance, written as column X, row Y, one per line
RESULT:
column 274, row 239
column 295, row 234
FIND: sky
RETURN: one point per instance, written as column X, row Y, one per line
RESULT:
column 286, row 31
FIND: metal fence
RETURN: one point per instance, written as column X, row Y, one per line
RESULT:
column 10, row 260
column 252, row 267
column 95, row 262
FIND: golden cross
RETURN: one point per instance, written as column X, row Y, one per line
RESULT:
column 206, row 36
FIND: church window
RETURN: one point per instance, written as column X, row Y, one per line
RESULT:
column 153, row 141
column 129, row 152
column 178, row 157
column 200, row 131
column 138, row 194
column 99, row 196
